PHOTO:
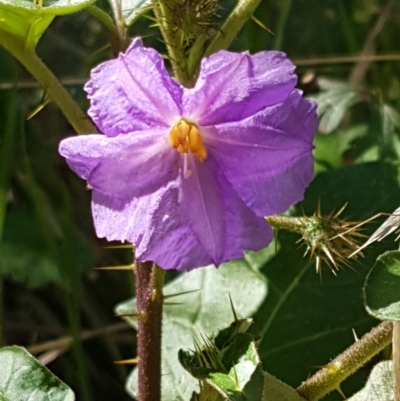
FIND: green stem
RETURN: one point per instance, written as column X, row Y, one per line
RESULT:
column 52, row 86
column 335, row 372
column 175, row 50
column 233, row 24
column 6, row 156
column 149, row 286
column 103, row 17
column 290, row 223
column 285, row 7
column 7, row 143
column 347, row 23
column 71, row 278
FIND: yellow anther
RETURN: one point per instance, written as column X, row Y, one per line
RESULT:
column 186, row 137
column 196, row 144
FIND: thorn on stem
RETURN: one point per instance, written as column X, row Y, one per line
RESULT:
column 132, row 361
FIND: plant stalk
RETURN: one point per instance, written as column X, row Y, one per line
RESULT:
column 232, row 26
column 72, row 294
column 102, row 17
column 175, row 49
column 149, row 284
column 120, row 41
column 335, row 372
column 290, row 223
column 52, row 86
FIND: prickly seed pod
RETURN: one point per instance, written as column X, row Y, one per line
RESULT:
column 329, row 239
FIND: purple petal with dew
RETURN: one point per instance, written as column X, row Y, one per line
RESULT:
column 123, row 166
column 267, row 158
column 233, row 86
column 133, row 92
column 156, row 224
column 223, row 224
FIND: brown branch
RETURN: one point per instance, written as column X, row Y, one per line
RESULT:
column 149, row 296
column 66, row 341
column 359, row 71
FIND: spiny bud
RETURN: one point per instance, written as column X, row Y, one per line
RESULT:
column 219, row 353
column 192, row 18
column 328, row 238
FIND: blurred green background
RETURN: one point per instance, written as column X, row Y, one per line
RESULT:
column 348, row 58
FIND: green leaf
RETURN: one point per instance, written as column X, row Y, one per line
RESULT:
column 201, row 313
column 275, row 390
column 221, row 352
column 49, row 7
column 329, row 149
column 26, row 21
column 382, row 287
column 22, row 378
column 333, row 102
column 27, row 257
column 132, row 8
column 22, row 24
column 390, row 121
column 8, row 116
column 247, row 375
column 379, row 386
column 381, row 141
column 244, row 381
column 229, row 368
column 305, row 321
column 392, row 116
column 24, row 255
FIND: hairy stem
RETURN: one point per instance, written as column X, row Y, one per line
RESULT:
column 52, row 86
column 290, row 223
column 335, row 372
column 174, row 46
column 233, row 24
column 149, row 283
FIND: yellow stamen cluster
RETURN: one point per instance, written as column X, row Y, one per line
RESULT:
column 186, row 137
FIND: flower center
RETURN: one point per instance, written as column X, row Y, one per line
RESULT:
column 185, row 137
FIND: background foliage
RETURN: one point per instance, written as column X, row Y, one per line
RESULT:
column 48, row 248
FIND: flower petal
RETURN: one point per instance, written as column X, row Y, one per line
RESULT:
column 156, row 224
column 123, row 166
column 223, row 224
column 258, row 133
column 267, row 158
column 133, row 92
column 172, row 233
column 233, row 86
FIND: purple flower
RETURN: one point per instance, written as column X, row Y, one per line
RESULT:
column 187, row 175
